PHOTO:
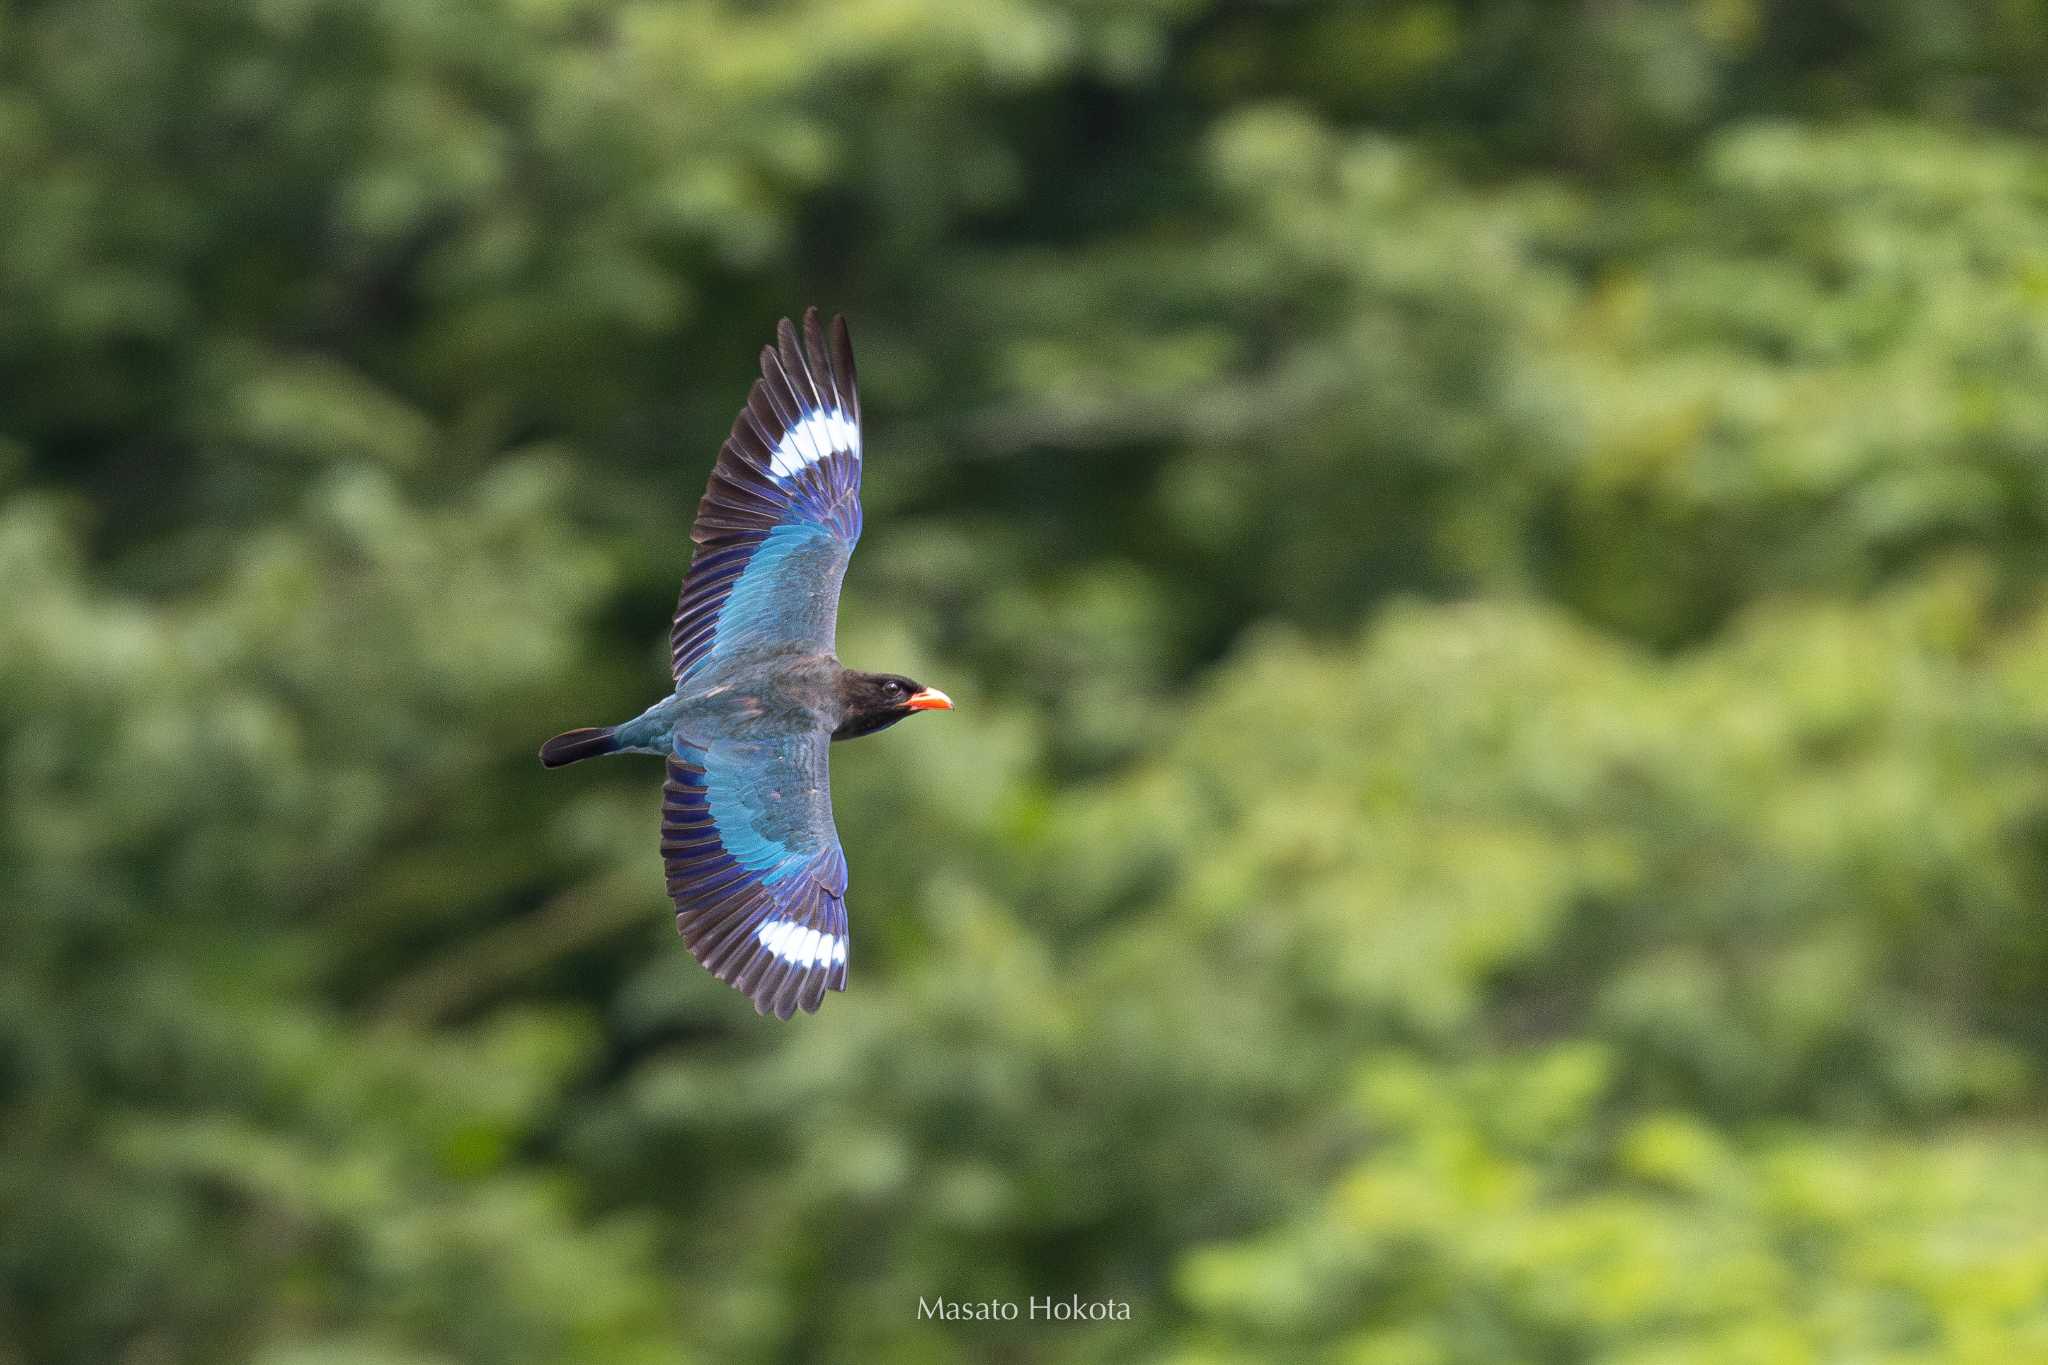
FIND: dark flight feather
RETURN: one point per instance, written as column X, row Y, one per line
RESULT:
column 575, row 745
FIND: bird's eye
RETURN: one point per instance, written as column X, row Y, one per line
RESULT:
column 893, row 688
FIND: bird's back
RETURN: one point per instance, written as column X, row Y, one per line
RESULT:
column 759, row 694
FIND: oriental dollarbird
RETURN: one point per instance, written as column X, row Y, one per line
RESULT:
column 754, row 864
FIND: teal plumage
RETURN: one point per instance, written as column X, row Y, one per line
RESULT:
column 754, row 862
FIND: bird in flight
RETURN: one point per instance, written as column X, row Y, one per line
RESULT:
column 754, row 863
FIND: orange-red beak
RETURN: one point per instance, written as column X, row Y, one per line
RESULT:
column 931, row 699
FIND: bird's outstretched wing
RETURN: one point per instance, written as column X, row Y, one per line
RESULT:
column 755, row 869
column 782, row 511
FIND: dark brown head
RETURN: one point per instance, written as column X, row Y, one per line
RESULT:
column 875, row 701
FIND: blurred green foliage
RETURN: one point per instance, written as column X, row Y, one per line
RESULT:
column 1492, row 558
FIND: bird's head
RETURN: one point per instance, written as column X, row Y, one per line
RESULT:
column 875, row 701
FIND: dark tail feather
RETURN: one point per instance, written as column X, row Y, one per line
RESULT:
column 589, row 742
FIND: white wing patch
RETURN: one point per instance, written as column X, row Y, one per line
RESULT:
column 816, row 435
column 799, row 945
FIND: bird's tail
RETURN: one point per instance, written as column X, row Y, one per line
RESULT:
column 589, row 742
